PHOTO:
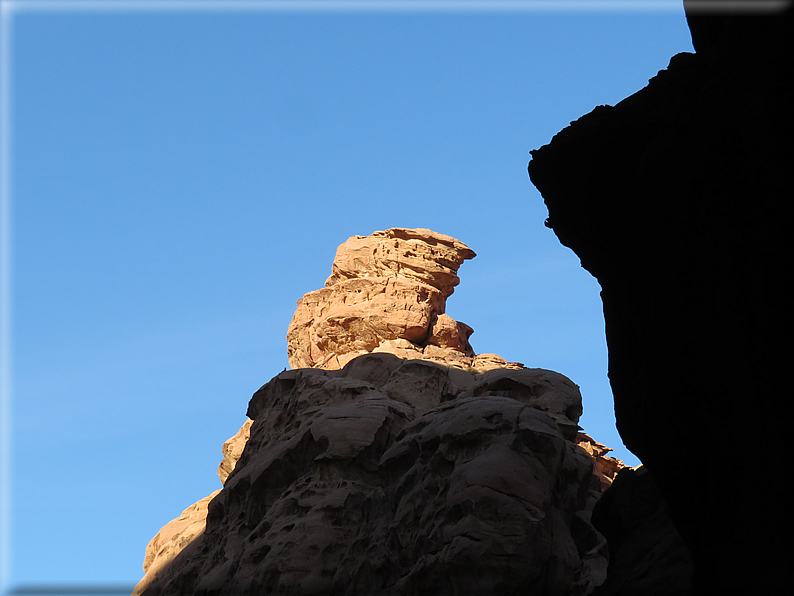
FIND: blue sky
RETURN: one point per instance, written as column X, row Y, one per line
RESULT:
column 178, row 179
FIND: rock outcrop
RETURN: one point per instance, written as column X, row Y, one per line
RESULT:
column 173, row 538
column 606, row 467
column 396, row 475
column 387, row 293
column 675, row 200
column 232, row 450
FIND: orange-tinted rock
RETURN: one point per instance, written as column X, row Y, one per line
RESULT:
column 387, row 293
column 189, row 527
column 232, row 450
column 446, row 332
column 606, row 467
column 417, row 255
column 358, row 315
column 172, row 539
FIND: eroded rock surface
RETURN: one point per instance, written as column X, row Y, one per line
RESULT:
column 189, row 526
column 395, row 476
column 173, row 538
column 232, row 450
column 606, row 467
column 387, row 293
column 397, row 461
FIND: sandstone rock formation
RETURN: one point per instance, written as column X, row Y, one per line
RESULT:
column 396, row 476
column 387, row 293
column 232, row 450
column 676, row 200
column 189, row 527
column 424, row 470
column 606, row 467
column 173, row 538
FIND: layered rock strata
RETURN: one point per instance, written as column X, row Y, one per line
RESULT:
column 676, row 200
column 387, row 293
column 423, row 470
column 396, row 476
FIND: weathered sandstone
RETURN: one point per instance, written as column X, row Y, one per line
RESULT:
column 189, row 527
column 606, row 467
column 398, row 462
column 172, row 539
column 232, row 450
column 418, row 255
column 395, row 476
column 387, row 293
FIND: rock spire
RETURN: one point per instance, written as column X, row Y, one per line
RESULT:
column 387, row 293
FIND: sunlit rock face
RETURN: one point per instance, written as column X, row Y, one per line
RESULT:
column 387, row 293
column 676, row 199
column 232, row 450
column 173, row 538
column 416, row 467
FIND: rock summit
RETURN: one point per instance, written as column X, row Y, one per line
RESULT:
column 392, row 460
column 387, row 293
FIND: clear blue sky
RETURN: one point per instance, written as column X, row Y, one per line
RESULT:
column 181, row 178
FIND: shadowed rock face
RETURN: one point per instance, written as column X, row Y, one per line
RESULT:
column 676, row 199
column 646, row 553
column 401, row 477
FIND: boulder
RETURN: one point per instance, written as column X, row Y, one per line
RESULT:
column 419, row 255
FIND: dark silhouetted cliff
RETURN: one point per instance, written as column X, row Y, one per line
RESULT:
column 676, row 201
